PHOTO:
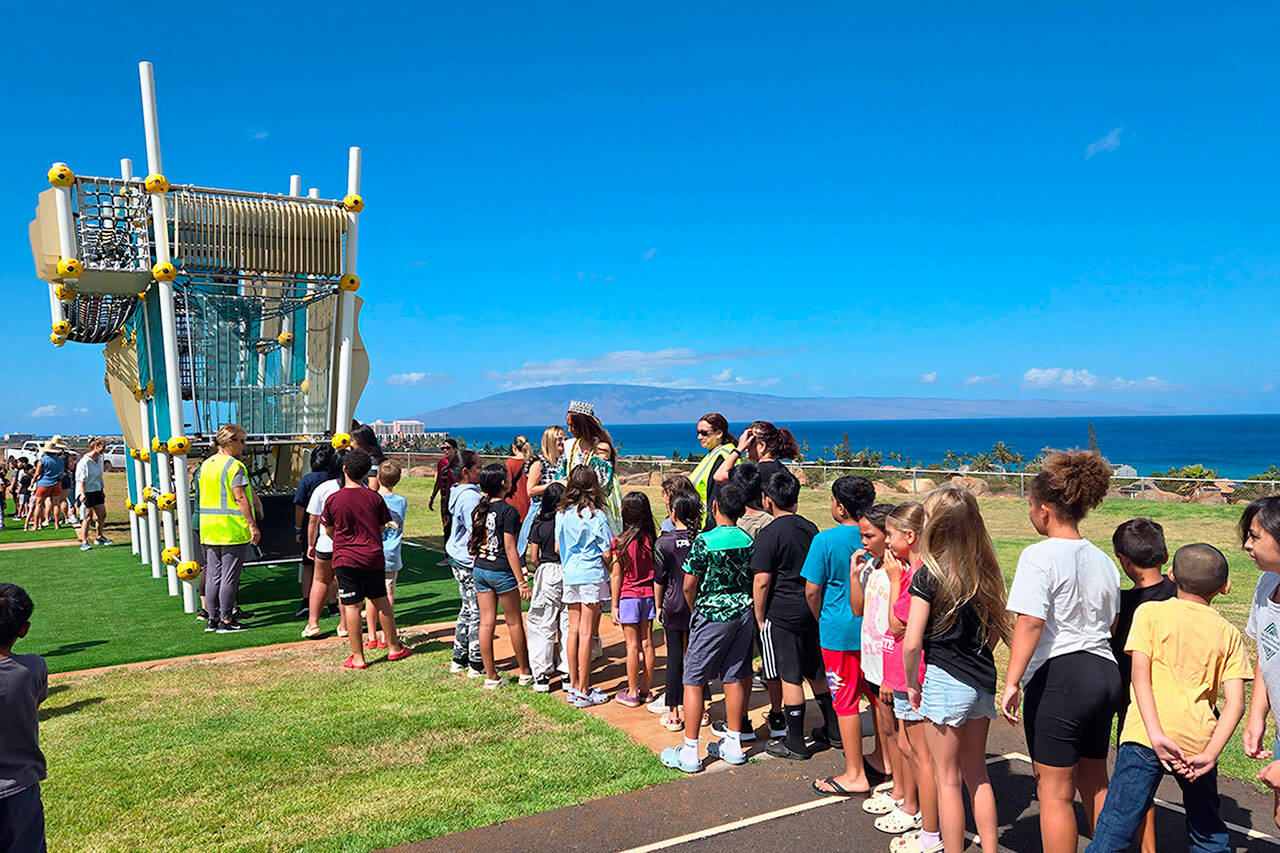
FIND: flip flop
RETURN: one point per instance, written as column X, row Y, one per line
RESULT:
column 838, row 790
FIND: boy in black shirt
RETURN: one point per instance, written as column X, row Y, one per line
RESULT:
column 1140, row 548
column 24, row 684
column 788, row 631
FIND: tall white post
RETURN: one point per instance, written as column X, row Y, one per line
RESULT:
column 137, row 533
column 66, row 241
column 153, row 521
column 347, row 302
column 168, row 328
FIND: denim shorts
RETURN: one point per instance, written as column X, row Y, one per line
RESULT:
column 487, row 580
column 902, row 708
column 948, row 701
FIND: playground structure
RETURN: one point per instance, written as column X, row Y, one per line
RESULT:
column 212, row 306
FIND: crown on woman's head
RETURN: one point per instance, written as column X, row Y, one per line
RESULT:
column 582, row 407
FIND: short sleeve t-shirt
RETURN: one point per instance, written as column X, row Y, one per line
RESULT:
column 895, row 667
column 754, row 522
column 307, row 485
column 502, row 519
column 1130, row 599
column 24, row 684
column 444, row 476
column 721, row 560
column 1075, row 588
column 1263, row 628
column 669, row 554
column 543, row 534
column 637, row 570
column 780, row 552
column 393, row 537
column 1193, row 650
column 315, row 506
column 50, row 470
column 875, row 620
column 89, row 472
column 961, row 650
column 355, row 516
column 827, row 566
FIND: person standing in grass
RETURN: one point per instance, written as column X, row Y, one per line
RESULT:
column 357, row 516
column 1260, row 537
column 227, row 526
column 631, row 586
column 320, row 548
column 721, row 632
column 321, row 462
column 498, row 574
column 1139, row 546
column 463, row 500
column 583, row 537
column 518, row 469
column 90, row 494
column 543, row 471
column 392, row 540
column 957, row 617
column 547, row 622
column 24, row 684
column 1066, row 595
column 448, row 467
column 826, row 590
column 720, row 444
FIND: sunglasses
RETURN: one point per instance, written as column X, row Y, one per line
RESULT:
column 704, row 432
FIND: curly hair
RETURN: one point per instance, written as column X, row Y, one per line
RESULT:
column 1072, row 482
column 778, row 442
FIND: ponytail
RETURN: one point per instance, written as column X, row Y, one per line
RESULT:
column 493, row 484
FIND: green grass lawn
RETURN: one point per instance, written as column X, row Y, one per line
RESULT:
column 292, row 752
column 103, row 607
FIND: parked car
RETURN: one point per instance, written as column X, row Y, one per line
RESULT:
column 115, row 458
column 29, row 449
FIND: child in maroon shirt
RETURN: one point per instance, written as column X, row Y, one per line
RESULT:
column 356, row 516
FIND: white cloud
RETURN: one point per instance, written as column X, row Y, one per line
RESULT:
column 256, row 133
column 428, row 380
column 1067, row 379
column 976, row 380
column 1268, row 387
column 53, row 410
column 929, row 378
column 648, row 254
column 623, row 365
column 728, row 377
column 1105, row 145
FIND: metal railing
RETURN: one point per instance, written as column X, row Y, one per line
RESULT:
column 919, row 479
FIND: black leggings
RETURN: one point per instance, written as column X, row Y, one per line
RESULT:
column 1069, row 705
column 677, row 639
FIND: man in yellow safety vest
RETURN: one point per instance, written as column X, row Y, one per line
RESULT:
column 227, row 526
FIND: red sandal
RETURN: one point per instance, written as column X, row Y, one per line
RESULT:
column 404, row 652
column 351, row 663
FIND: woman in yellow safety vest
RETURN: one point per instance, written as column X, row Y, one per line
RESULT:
column 714, row 435
column 227, row 526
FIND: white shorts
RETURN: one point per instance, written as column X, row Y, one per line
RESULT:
column 585, row 593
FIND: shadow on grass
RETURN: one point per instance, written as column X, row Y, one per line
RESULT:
column 72, row 648
column 70, row 708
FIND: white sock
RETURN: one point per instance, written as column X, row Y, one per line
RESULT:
column 733, row 740
column 689, row 752
column 929, row 839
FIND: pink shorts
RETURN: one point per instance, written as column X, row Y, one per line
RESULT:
column 844, row 677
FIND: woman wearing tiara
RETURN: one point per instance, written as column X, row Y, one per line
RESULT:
column 591, row 445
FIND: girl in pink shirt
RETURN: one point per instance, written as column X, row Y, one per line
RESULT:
column 631, row 585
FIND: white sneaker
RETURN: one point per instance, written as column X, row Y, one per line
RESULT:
column 475, row 673
column 85, row 546
column 455, row 667
column 526, row 680
column 658, row 705
column 103, row 541
column 494, row 683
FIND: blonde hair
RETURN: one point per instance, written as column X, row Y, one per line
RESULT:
column 549, row 450
column 228, row 433
column 907, row 516
column 389, row 473
column 520, row 446
column 961, row 559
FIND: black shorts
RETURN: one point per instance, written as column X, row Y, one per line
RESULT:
column 324, row 556
column 93, row 500
column 355, row 585
column 791, row 656
column 1068, row 708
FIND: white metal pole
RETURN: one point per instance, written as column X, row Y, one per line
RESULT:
column 286, row 324
column 137, row 537
column 66, row 241
column 348, row 299
column 168, row 328
column 153, row 524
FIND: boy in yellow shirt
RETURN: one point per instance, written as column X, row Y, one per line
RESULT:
column 1182, row 652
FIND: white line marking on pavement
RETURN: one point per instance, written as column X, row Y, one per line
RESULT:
column 1243, row 830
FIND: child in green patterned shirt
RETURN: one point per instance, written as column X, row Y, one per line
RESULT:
column 722, row 631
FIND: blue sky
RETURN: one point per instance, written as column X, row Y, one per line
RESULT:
column 1067, row 201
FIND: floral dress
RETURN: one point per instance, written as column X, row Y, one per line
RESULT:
column 575, row 456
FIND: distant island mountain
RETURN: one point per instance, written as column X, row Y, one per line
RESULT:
column 646, row 404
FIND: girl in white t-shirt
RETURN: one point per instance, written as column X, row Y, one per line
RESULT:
column 868, row 572
column 1066, row 596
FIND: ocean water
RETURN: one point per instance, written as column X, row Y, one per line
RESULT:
column 1234, row 445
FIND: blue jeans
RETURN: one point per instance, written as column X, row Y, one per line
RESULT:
column 1133, row 786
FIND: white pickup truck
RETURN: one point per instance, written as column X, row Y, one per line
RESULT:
column 29, row 449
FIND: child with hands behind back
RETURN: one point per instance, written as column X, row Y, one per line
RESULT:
column 1183, row 652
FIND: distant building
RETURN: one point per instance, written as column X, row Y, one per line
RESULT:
column 1124, row 471
column 398, row 426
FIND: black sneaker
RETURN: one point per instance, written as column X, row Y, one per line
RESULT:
column 779, row 749
column 238, row 614
column 333, row 608
column 202, row 614
column 211, row 626
column 822, row 738
column 719, row 728
column 777, row 724
column 231, row 627
column 542, row 684
column 303, row 612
